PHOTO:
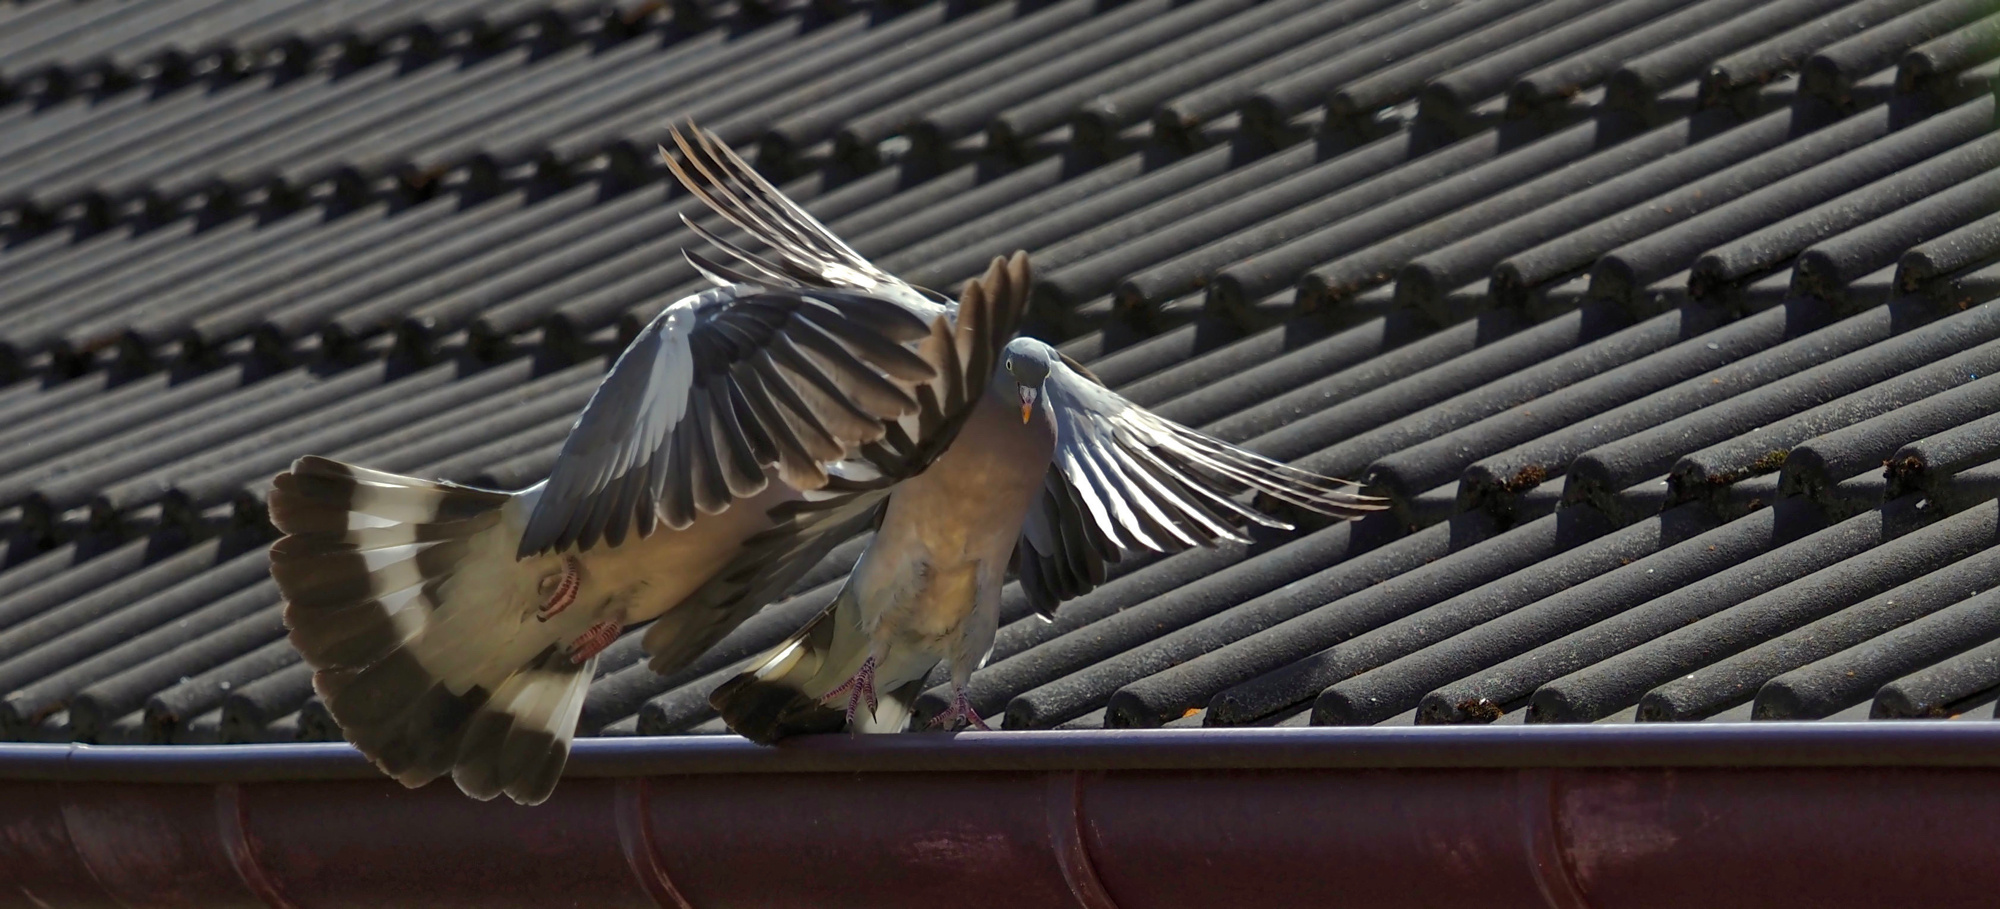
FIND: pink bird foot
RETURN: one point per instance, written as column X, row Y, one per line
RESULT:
column 593, row 641
column 857, row 689
column 960, row 709
column 564, row 589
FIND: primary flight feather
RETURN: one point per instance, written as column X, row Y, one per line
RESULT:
column 747, row 430
column 1051, row 475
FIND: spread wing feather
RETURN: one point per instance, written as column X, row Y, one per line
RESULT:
column 852, row 490
column 795, row 362
column 666, row 417
column 1125, row 479
column 807, row 251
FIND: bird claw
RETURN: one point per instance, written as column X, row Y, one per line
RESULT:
column 565, row 589
column 960, row 709
column 593, row 641
column 859, row 687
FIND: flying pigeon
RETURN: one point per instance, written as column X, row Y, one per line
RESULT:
column 1053, row 475
column 456, row 630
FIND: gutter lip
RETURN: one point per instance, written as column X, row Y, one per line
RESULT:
column 1908, row 743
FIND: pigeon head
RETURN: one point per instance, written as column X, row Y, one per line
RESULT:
column 1024, row 364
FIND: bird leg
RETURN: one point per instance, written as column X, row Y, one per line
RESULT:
column 561, row 589
column 593, row 641
column 960, row 709
column 861, row 687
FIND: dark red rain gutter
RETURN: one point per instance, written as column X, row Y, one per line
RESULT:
column 1712, row 815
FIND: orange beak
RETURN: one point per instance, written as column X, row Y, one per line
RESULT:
column 1026, row 411
column 1027, row 403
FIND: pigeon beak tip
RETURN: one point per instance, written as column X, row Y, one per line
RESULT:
column 1027, row 410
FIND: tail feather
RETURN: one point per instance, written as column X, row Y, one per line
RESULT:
column 779, row 694
column 324, row 496
column 520, row 744
column 399, row 715
column 405, row 597
column 774, row 696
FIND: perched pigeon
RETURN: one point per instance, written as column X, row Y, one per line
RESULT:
column 456, row 630
column 1052, row 474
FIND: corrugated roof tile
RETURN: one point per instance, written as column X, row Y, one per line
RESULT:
column 1561, row 278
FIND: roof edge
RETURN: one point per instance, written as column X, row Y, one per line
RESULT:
column 1779, row 814
column 1774, row 744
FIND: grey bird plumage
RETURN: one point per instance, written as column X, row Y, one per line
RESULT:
column 1053, row 475
column 745, row 432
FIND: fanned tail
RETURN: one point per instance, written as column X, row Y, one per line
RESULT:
column 404, row 596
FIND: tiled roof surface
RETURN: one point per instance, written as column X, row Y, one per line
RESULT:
column 1626, row 304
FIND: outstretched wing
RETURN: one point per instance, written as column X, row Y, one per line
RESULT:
column 718, row 387
column 1124, row 478
column 965, row 336
column 808, row 254
column 804, row 532
column 779, row 372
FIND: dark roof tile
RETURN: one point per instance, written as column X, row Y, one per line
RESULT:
column 1555, row 82
column 1766, row 448
column 1716, row 143
column 1736, row 679
column 1272, row 256
column 1356, row 267
column 40, row 584
column 65, row 665
column 1293, row 659
column 1494, row 481
column 1827, row 268
column 194, row 675
column 1832, row 71
column 1760, row 251
column 1637, row 84
column 1407, row 77
column 1925, row 263
column 860, row 136
column 1616, row 465
column 1077, row 673
column 1609, row 34
column 1781, row 53
column 1967, row 48
column 1343, row 439
column 425, row 263
column 1277, row 360
column 113, row 584
column 252, row 705
column 1859, row 448
column 1181, row 671
column 1447, row 455
column 1414, row 465
column 967, row 43
column 1184, row 98
column 1288, row 93
column 1852, row 676
column 1802, row 579
column 1129, row 51
column 1622, row 272
column 409, row 234
column 1191, row 57
column 1936, row 463
column 1942, row 689
column 1389, row 669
